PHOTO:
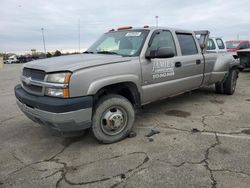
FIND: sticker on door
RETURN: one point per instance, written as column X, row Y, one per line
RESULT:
column 162, row 69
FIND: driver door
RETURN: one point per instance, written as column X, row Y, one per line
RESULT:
column 159, row 73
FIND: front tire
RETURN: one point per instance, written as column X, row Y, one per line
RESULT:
column 113, row 119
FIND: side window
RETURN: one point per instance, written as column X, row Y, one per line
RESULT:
column 220, row 44
column 163, row 39
column 210, row 45
column 187, row 44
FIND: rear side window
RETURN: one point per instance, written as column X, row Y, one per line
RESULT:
column 187, row 44
column 220, row 44
column 210, row 45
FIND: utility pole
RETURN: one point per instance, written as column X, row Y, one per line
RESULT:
column 42, row 29
column 156, row 20
column 79, row 35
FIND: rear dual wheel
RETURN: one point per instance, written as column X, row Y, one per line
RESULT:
column 229, row 85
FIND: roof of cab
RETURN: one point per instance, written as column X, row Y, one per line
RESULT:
column 151, row 28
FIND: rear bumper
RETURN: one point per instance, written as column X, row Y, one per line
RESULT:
column 60, row 114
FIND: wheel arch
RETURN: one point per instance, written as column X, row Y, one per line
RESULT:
column 128, row 90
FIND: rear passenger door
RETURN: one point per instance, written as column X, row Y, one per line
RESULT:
column 189, row 65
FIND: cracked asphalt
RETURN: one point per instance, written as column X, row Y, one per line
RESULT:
column 199, row 139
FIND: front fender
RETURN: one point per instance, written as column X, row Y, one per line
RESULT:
column 100, row 83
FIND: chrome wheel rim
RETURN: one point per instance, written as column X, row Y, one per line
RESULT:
column 114, row 120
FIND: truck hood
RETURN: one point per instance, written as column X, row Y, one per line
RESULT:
column 74, row 62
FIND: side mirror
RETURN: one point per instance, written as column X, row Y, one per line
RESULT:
column 162, row 52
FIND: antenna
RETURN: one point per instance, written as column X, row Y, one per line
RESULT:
column 156, row 20
column 44, row 47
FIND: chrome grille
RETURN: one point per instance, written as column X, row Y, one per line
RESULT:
column 36, row 75
column 34, row 88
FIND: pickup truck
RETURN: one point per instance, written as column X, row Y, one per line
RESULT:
column 235, row 45
column 12, row 59
column 216, row 45
column 122, row 71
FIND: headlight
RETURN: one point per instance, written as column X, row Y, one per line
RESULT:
column 57, row 79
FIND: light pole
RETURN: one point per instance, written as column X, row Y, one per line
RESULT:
column 42, row 29
column 156, row 20
column 79, row 35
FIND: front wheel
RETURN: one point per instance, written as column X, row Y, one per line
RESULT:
column 231, row 81
column 113, row 119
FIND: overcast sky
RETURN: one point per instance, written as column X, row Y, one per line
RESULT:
column 21, row 20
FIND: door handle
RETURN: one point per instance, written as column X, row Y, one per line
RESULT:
column 178, row 64
column 198, row 61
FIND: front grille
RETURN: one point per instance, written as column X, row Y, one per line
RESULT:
column 34, row 88
column 34, row 74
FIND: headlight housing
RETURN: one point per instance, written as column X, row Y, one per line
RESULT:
column 62, row 78
column 59, row 84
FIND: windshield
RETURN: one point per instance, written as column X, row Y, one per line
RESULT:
column 124, row 43
column 232, row 44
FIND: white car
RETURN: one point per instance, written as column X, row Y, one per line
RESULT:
column 12, row 59
column 216, row 45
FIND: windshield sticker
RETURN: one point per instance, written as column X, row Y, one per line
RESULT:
column 162, row 69
column 133, row 34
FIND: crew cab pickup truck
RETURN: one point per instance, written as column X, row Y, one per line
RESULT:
column 123, row 70
column 216, row 45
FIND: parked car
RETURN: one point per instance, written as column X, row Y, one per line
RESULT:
column 124, row 70
column 234, row 45
column 216, row 45
column 244, row 56
column 12, row 59
column 25, row 58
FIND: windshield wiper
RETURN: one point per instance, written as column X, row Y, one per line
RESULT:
column 106, row 52
column 88, row 52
